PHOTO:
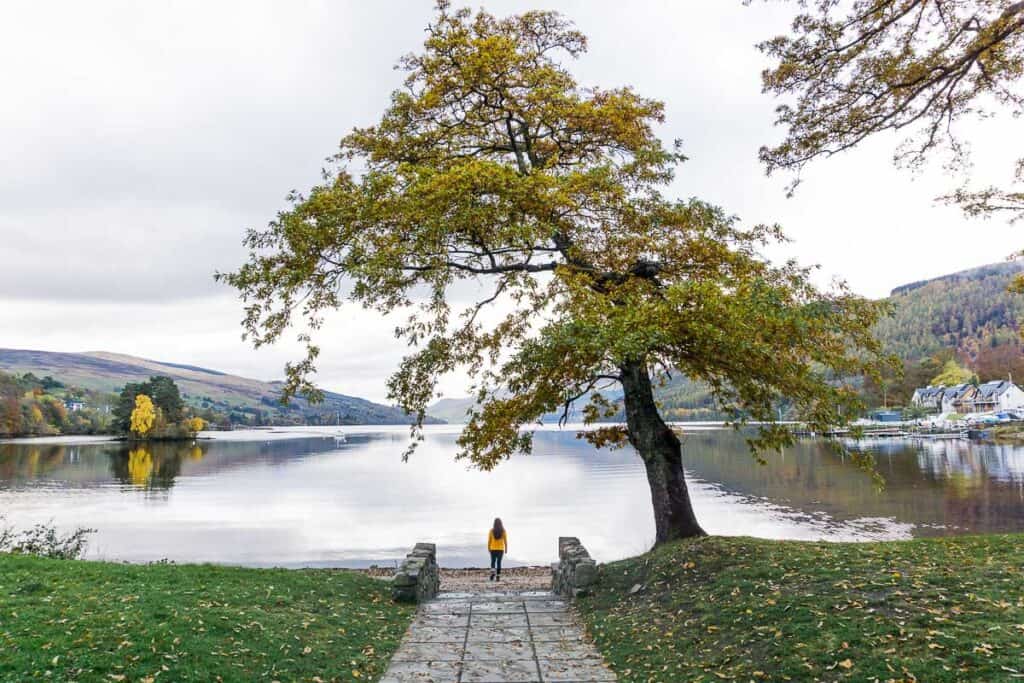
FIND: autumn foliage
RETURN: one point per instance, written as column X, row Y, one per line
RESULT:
column 493, row 171
column 30, row 405
column 144, row 416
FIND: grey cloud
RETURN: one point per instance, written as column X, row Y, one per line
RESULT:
column 146, row 139
column 139, row 140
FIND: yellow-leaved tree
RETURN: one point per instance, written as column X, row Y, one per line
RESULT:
column 195, row 425
column 952, row 374
column 143, row 416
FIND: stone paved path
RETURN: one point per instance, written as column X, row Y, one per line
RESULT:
column 516, row 637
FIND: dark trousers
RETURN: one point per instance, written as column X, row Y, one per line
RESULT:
column 496, row 560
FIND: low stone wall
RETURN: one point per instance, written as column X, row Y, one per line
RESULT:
column 417, row 579
column 575, row 572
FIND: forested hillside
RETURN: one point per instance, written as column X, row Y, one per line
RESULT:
column 967, row 317
column 970, row 313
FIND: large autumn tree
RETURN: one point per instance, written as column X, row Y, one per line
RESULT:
column 493, row 171
column 850, row 70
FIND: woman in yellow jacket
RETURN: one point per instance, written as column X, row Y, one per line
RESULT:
column 497, row 543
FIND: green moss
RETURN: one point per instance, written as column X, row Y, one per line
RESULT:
column 948, row 609
column 93, row 621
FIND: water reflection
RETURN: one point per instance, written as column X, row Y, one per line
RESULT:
column 151, row 466
column 271, row 498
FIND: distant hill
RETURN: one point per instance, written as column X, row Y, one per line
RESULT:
column 451, row 410
column 681, row 399
column 201, row 387
column 968, row 313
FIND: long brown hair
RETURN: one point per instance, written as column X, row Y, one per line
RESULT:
column 498, row 530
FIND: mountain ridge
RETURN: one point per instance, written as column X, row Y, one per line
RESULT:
column 204, row 387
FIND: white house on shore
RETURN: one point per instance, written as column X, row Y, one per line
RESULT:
column 995, row 396
column 998, row 395
column 929, row 398
column 956, row 399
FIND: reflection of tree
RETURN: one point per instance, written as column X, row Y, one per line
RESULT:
column 19, row 462
column 85, row 464
column 154, row 465
column 943, row 486
column 140, row 466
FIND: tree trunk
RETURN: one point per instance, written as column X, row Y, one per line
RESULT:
column 661, row 452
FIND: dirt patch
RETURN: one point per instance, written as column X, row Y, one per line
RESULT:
column 512, row 579
column 472, row 580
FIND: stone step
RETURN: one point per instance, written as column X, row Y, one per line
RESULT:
column 527, row 637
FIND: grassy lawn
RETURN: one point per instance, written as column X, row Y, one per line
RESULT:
column 752, row 610
column 94, row 621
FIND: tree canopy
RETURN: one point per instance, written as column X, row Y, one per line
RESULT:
column 952, row 374
column 143, row 415
column 164, row 394
column 917, row 67
column 493, row 171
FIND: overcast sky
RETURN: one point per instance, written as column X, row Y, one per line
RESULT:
column 139, row 140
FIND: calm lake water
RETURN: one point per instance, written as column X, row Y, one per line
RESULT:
column 295, row 498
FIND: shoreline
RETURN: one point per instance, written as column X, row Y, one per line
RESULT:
column 378, row 570
column 314, row 431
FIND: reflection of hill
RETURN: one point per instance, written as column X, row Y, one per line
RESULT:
column 952, row 484
column 941, row 487
column 152, row 466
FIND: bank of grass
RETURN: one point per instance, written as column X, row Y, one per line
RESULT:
column 1011, row 434
column 949, row 609
column 68, row 620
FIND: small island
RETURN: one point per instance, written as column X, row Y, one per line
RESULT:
column 154, row 411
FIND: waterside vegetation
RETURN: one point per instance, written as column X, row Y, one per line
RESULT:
column 44, row 406
column 938, row 609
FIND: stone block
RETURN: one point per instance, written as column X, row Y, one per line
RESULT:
column 586, row 573
column 575, row 572
column 507, row 670
column 417, row 579
column 418, row 672
column 403, row 579
column 429, row 549
column 559, row 670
